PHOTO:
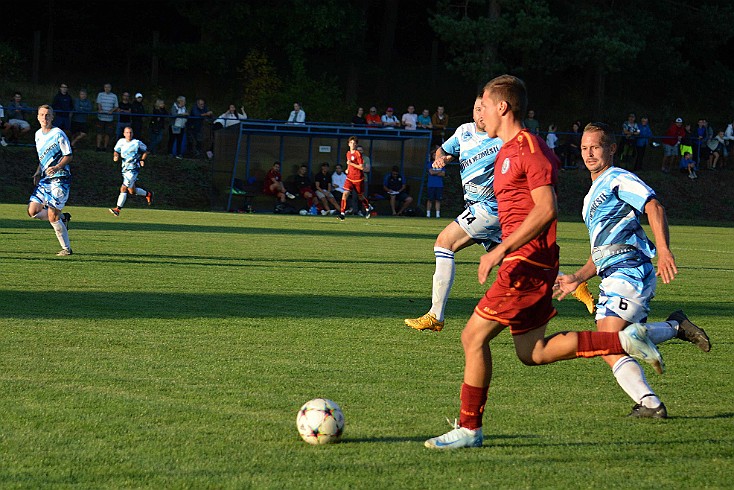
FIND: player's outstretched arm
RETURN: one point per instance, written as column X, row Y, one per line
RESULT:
column 442, row 158
column 566, row 284
column 659, row 223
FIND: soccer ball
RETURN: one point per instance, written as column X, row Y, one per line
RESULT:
column 303, row 212
column 320, row 421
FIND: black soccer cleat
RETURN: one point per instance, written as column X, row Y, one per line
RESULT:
column 643, row 412
column 690, row 332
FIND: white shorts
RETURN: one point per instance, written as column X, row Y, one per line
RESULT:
column 481, row 225
column 626, row 293
column 129, row 177
column 53, row 193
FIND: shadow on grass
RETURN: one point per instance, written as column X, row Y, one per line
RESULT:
column 128, row 226
column 175, row 305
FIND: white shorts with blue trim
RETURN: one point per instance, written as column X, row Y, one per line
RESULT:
column 481, row 225
column 626, row 293
column 129, row 177
column 52, row 193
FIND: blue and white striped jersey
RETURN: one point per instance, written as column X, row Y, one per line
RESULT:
column 51, row 148
column 130, row 153
column 611, row 211
column 476, row 153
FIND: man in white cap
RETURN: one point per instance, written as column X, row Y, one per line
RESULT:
column 671, row 143
column 137, row 110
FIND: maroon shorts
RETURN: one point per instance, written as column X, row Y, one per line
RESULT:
column 357, row 187
column 521, row 296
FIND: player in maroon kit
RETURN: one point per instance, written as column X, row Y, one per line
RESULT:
column 521, row 296
column 355, row 179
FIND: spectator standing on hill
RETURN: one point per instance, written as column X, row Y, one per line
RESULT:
column 551, row 139
column 80, row 118
column 424, row 120
column 521, row 296
column 373, row 119
column 389, row 120
column 532, row 124
column 52, row 178
column 136, row 119
column 621, row 254
column 199, row 116
column 643, row 139
column 157, row 125
column 434, row 185
column 439, row 121
column 176, row 131
column 729, row 138
column 63, row 105
column 572, row 148
column 627, row 143
column 107, row 105
column 297, row 116
column 358, row 119
column 671, row 143
column 16, row 112
column 133, row 153
column 124, row 110
column 700, row 138
column 410, row 118
column 715, row 148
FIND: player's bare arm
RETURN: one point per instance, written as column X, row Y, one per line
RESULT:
column 659, row 224
column 540, row 217
column 442, row 158
column 567, row 283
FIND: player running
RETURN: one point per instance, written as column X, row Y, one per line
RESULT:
column 478, row 223
column 355, row 179
column 521, row 296
column 621, row 255
column 133, row 153
column 52, row 178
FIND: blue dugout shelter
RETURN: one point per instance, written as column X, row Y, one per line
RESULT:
column 260, row 143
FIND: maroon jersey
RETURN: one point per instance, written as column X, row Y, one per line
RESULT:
column 523, row 164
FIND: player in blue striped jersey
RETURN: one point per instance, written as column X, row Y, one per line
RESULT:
column 478, row 223
column 52, row 178
column 621, row 255
column 133, row 153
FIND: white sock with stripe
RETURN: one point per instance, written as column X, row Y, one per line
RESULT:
column 631, row 378
column 443, row 279
column 62, row 234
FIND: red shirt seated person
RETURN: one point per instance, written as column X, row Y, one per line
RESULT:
column 273, row 184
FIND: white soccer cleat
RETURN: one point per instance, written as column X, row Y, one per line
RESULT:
column 637, row 344
column 457, row 438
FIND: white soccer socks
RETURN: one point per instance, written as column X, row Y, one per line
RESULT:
column 443, row 279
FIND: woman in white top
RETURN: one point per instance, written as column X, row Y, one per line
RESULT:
column 231, row 117
column 176, row 130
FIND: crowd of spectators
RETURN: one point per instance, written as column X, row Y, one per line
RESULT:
column 189, row 127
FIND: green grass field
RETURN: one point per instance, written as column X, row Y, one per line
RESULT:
column 173, row 350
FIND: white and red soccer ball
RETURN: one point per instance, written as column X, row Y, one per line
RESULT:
column 320, row 421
